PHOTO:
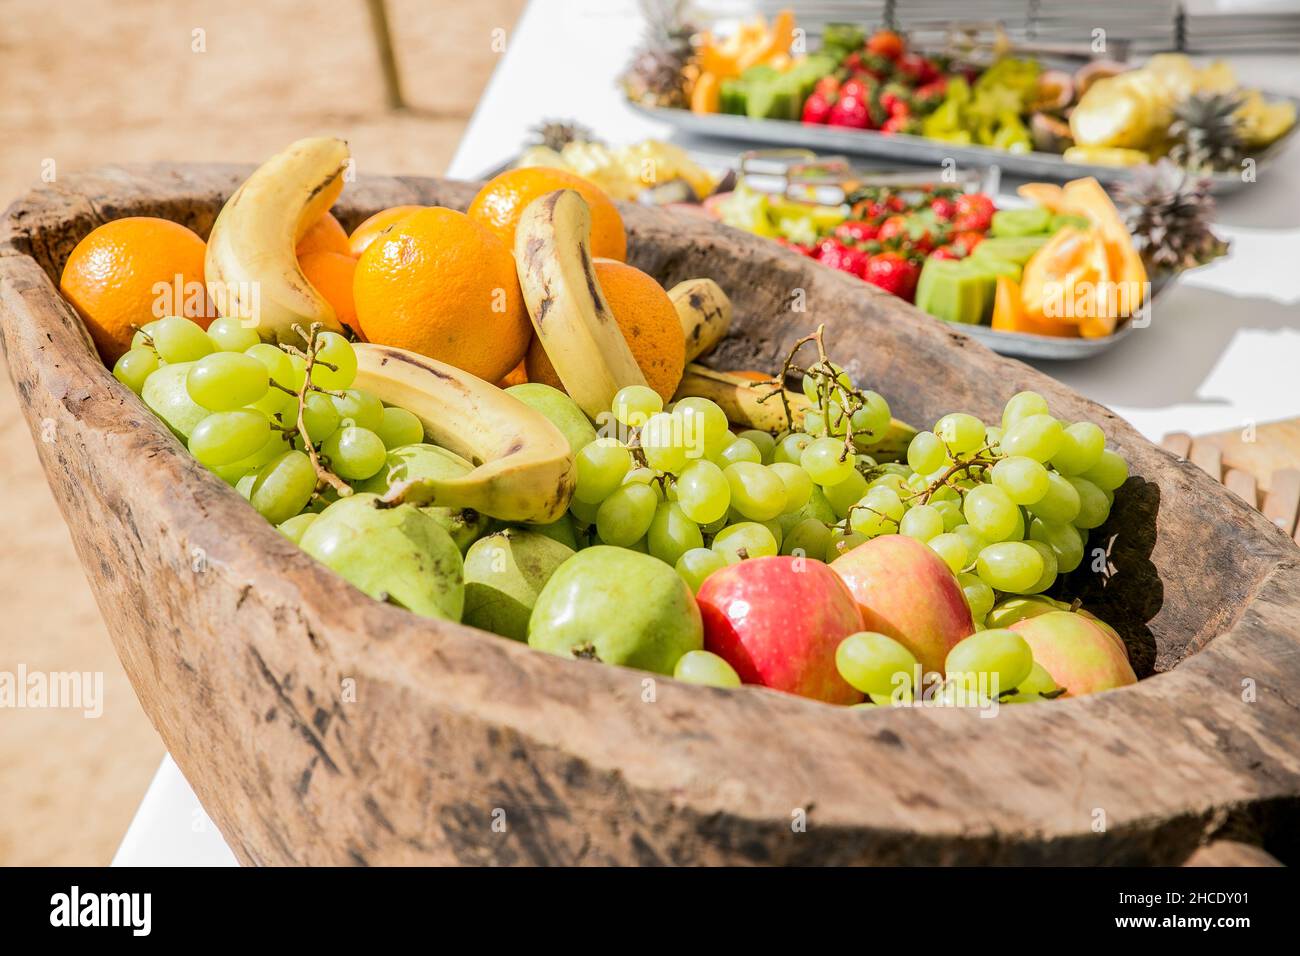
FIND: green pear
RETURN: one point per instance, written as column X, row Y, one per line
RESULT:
column 465, row 525
column 504, row 573
column 562, row 411
column 399, row 555
column 618, row 606
column 560, row 530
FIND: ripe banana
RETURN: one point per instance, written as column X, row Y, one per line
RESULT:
column 523, row 465
column 705, row 313
column 251, row 267
column 569, row 312
column 740, row 396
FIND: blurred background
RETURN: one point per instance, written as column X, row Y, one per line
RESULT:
column 88, row 82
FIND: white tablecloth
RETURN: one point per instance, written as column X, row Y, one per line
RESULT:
column 1222, row 352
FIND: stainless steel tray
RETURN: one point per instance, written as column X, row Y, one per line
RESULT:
column 918, row 149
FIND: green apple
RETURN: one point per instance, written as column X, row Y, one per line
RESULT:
column 399, row 555
column 620, row 606
column 504, row 573
column 465, row 525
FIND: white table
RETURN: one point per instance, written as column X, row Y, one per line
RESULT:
column 1222, row 352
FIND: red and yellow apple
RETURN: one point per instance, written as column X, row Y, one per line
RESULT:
column 1080, row 655
column 904, row 590
column 777, row 621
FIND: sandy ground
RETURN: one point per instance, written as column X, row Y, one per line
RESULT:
column 89, row 82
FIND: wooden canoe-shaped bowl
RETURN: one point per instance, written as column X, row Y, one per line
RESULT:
column 320, row 726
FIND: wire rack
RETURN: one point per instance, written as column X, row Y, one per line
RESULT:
column 1127, row 27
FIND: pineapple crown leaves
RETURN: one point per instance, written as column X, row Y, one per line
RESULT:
column 1206, row 131
column 1169, row 211
column 558, row 133
column 657, row 73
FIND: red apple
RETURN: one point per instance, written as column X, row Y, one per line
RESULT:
column 1080, row 656
column 905, row 591
column 778, row 621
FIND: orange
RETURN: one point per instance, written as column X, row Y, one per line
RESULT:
column 325, row 235
column 516, row 376
column 331, row 273
column 649, row 322
column 501, row 201
column 130, row 271
column 372, row 228
column 440, row 284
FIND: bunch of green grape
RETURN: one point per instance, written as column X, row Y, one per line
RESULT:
column 234, row 400
column 684, row 487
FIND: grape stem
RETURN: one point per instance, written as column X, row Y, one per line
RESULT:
column 978, row 459
column 148, row 339
column 323, row 475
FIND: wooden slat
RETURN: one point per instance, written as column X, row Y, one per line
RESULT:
column 1207, row 456
column 1177, row 443
column 1282, row 502
column 1243, row 484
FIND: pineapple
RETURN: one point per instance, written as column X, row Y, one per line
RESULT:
column 660, row 70
column 1169, row 212
column 557, row 134
column 1206, row 132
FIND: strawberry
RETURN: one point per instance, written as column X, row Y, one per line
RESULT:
column 943, row 208
column 948, row 252
column 885, row 44
column 892, row 228
column 833, row 253
column 934, row 90
column 974, row 212
column 896, row 203
column 856, row 88
column 850, row 112
column 894, row 99
column 917, row 69
column 828, row 86
column 797, row 247
column 856, row 231
column 893, row 273
column 899, row 123
column 968, row 240
column 816, row 109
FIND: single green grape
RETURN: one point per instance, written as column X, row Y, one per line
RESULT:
column 842, row 542
column 990, row 661
column 742, row 449
column 355, row 453
column 320, row 414
column 230, row 335
column 283, row 487
column 359, row 408
column 979, row 596
column 879, row 512
column 180, row 340
column 1081, row 448
column 584, row 513
column 134, row 366
column 1033, row 687
column 697, row 564
column 950, row 548
column 749, row 539
column 1094, row 506
column 1060, row 504
column 974, row 541
column 399, row 427
column 960, row 432
column 276, row 360
column 706, row 668
column 1110, row 471
column 827, row 462
column 790, row 449
column 671, row 533
column 334, row 350
column 1023, row 479
column 297, row 372
column 763, row 441
column 600, row 467
column 662, row 442
column 625, row 516
column 925, row 454
column 798, row 485
column 1064, row 539
column 949, row 509
column 991, row 512
column 921, row 522
column 875, row 663
column 703, row 427
column 225, row 437
column 634, row 404
column 756, row 492
column 1038, row 437
column 142, row 335
column 224, row 381
column 871, row 421
column 809, row 538
column 846, row 494
column 294, row 527
column 1050, row 568
column 1011, row 566
column 1022, row 405
column 703, row 491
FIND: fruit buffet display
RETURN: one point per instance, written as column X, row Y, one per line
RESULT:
column 1103, row 113
column 568, row 476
